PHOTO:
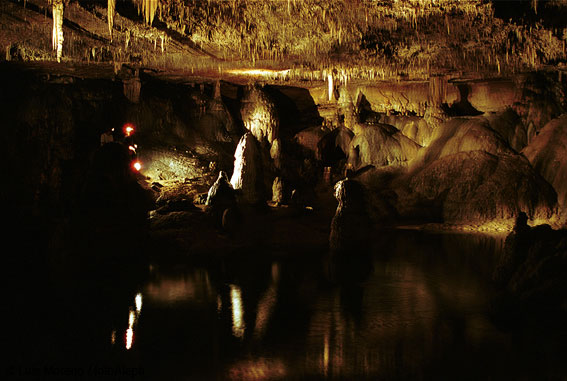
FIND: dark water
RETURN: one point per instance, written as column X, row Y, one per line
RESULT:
column 414, row 307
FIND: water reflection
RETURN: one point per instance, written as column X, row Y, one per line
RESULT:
column 238, row 324
column 259, row 369
column 138, row 301
column 180, row 287
column 414, row 307
column 133, row 316
column 267, row 303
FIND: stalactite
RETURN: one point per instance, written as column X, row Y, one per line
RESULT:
column 111, row 9
column 57, row 34
column 148, row 9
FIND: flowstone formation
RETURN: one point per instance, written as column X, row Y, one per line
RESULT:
column 547, row 153
column 473, row 176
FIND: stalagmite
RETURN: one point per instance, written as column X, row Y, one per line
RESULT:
column 110, row 13
column 247, row 173
column 57, row 35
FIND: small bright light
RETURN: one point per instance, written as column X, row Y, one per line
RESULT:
column 137, row 165
column 132, row 148
column 128, row 130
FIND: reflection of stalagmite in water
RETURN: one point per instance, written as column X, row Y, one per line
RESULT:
column 238, row 324
column 57, row 35
column 267, row 304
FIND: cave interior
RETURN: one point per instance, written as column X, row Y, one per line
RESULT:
column 192, row 152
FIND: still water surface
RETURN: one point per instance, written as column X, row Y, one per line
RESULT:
column 413, row 307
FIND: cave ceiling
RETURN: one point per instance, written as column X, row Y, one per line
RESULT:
column 288, row 40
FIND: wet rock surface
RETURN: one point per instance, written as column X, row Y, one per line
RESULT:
column 529, row 275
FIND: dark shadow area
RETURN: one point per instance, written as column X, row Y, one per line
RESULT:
column 548, row 12
column 296, row 109
column 463, row 107
column 364, row 111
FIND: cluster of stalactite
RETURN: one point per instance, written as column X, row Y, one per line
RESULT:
column 406, row 37
column 147, row 8
column 410, row 34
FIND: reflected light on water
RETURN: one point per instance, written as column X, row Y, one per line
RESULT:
column 169, row 289
column 261, row 369
column 129, row 338
column 275, row 272
column 131, row 319
column 238, row 325
column 219, row 304
column 265, row 308
column 267, row 304
column 138, row 301
column 130, row 330
column 326, row 355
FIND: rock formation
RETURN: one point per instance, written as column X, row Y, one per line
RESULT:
column 382, row 144
column 510, row 126
column 221, row 197
column 548, row 152
column 221, row 194
column 248, row 174
column 413, row 127
column 529, row 275
column 351, row 225
column 334, row 146
column 259, row 115
column 278, row 195
column 473, row 176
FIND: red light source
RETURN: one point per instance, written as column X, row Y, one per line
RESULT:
column 128, row 130
column 137, row 165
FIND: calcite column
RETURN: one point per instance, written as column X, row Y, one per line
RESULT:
column 111, row 9
column 57, row 35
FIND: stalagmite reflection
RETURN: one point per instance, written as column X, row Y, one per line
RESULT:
column 171, row 289
column 133, row 316
column 130, row 330
column 267, row 304
column 238, row 324
column 260, row 369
